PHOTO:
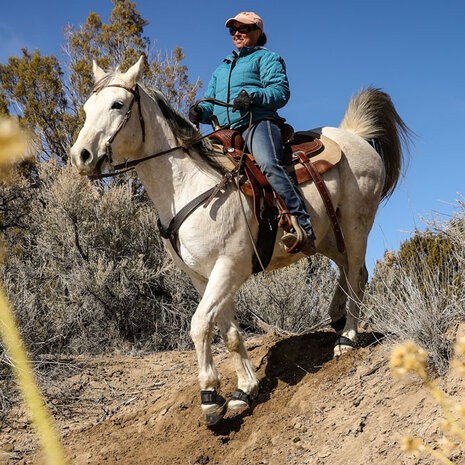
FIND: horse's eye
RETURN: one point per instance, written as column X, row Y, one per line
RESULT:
column 117, row 106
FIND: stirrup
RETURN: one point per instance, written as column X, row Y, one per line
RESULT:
column 298, row 241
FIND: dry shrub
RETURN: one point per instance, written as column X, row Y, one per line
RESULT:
column 415, row 297
column 292, row 300
column 88, row 271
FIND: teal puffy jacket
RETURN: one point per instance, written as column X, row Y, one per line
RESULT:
column 258, row 71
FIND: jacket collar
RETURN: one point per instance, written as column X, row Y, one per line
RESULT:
column 244, row 51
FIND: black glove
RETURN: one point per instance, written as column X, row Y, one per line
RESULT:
column 195, row 114
column 242, row 101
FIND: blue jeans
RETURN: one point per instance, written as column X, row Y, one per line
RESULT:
column 266, row 144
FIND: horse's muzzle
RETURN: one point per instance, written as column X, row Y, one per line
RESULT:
column 85, row 161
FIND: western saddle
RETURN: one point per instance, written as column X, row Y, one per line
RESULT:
column 307, row 155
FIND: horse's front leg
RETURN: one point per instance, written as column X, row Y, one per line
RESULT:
column 225, row 279
column 247, row 381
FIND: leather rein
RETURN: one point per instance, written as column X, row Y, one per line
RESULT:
column 131, row 164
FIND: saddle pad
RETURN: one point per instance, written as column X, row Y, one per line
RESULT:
column 331, row 152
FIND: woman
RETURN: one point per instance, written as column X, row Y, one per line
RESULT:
column 255, row 79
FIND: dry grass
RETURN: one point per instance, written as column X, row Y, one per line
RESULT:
column 86, row 270
column 419, row 299
column 291, row 300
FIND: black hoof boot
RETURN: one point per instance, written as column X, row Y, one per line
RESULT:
column 239, row 400
column 213, row 407
column 343, row 344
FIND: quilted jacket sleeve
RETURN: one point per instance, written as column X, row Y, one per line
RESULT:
column 207, row 107
column 274, row 92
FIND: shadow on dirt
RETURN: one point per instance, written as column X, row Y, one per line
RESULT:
column 293, row 358
column 289, row 360
column 229, row 424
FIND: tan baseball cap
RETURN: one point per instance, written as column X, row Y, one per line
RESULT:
column 246, row 17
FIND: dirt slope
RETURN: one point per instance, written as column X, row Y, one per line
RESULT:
column 311, row 410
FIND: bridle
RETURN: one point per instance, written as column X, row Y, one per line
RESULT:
column 135, row 98
column 131, row 164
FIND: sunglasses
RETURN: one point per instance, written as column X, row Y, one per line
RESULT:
column 243, row 29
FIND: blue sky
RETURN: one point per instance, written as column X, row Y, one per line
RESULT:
column 413, row 50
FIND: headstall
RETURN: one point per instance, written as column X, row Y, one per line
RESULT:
column 130, row 164
column 136, row 97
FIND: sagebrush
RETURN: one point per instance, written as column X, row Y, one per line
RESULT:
column 86, row 272
column 418, row 293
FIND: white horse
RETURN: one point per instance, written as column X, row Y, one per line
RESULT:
column 214, row 246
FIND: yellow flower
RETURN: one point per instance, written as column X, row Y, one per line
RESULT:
column 12, row 141
column 447, row 445
column 458, row 367
column 460, row 345
column 407, row 357
column 444, row 425
column 460, row 408
column 411, row 444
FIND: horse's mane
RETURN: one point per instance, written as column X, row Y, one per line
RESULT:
column 183, row 129
column 186, row 133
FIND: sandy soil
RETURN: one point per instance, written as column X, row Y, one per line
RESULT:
column 312, row 409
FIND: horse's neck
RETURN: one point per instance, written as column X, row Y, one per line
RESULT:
column 173, row 179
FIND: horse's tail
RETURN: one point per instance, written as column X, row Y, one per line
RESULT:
column 371, row 115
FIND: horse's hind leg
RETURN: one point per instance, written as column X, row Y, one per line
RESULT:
column 357, row 277
column 337, row 309
column 225, row 279
column 247, row 381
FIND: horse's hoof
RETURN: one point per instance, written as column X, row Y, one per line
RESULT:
column 213, row 407
column 341, row 349
column 239, row 400
column 343, row 345
column 214, row 417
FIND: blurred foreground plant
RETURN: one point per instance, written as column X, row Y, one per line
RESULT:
column 13, row 144
column 409, row 358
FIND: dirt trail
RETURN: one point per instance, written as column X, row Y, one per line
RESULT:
column 311, row 410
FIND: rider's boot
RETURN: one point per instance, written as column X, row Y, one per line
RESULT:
column 298, row 240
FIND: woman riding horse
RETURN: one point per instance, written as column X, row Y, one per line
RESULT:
column 213, row 243
column 255, row 80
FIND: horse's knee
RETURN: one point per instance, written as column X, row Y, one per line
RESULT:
column 233, row 339
column 200, row 328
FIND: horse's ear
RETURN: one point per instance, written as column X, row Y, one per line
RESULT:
column 135, row 72
column 98, row 72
